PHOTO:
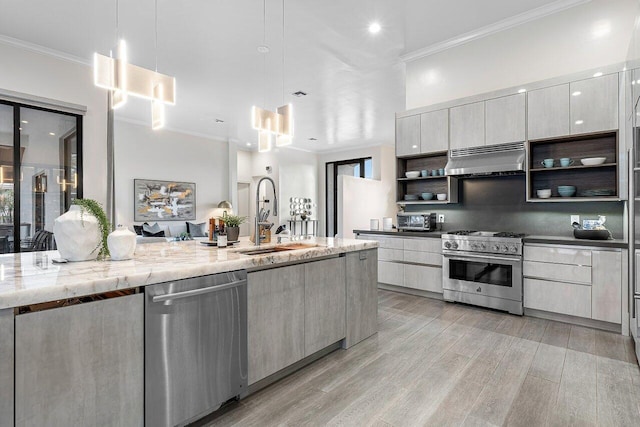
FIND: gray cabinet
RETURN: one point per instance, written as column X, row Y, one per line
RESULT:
column 362, row 296
column 324, row 304
column 408, row 136
column 81, row 365
column 548, row 112
column 594, row 104
column 434, row 131
column 606, row 290
column 467, row 126
column 6, row 368
column 275, row 320
column 505, row 119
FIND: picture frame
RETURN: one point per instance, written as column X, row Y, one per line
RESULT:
column 159, row 200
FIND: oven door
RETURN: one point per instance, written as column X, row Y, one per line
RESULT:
column 498, row 276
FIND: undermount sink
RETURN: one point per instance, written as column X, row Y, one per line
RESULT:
column 274, row 249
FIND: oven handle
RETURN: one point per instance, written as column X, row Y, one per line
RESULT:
column 458, row 255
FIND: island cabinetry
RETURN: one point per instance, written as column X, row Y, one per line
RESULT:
column 575, row 281
column 467, row 125
column 81, row 365
column 505, row 119
column 275, row 323
column 408, row 136
column 362, row 296
column 6, row 368
column 324, row 304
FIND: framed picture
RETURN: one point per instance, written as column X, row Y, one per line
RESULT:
column 164, row 200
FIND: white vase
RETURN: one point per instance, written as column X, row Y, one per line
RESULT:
column 122, row 244
column 77, row 235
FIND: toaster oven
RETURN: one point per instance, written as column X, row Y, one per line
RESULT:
column 417, row 221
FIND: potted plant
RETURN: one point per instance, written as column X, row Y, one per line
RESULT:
column 81, row 233
column 232, row 225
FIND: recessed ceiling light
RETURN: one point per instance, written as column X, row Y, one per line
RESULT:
column 579, row 122
column 299, row 93
column 263, row 49
column 24, row 121
column 219, row 121
column 313, row 139
column 52, row 134
column 576, row 93
column 598, row 74
column 374, row 28
column 522, row 90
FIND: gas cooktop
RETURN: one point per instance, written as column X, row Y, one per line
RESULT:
column 506, row 234
column 487, row 242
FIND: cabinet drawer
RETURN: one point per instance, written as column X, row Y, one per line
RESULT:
column 423, row 277
column 560, row 272
column 385, row 254
column 556, row 297
column 390, row 273
column 557, row 255
column 428, row 244
column 429, row 258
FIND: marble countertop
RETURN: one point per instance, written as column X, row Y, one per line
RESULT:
column 32, row 278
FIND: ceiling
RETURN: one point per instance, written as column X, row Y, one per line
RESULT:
column 354, row 79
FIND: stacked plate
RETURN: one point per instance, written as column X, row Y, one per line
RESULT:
column 411, row 197
column 600, row 192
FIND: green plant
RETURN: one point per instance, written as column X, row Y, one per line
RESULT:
column 233, row 220
column 95, row 209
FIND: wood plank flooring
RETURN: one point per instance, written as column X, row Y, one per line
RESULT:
column 439, row 364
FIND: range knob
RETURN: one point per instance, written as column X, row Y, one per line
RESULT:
column 483, row 246
column 496, row 248
column 514, row 249
column 454, row 245
column 447, row 245
column 505, row 248
column 474, row 246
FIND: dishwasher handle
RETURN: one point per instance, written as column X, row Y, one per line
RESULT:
column 194, row 292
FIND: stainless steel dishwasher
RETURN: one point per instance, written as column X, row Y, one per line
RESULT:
column 195, row 347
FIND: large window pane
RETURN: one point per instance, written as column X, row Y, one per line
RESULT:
column 49, row 173
column 6, row 178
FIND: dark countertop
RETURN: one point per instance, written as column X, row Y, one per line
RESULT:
column 556, row 240
column 432, row 234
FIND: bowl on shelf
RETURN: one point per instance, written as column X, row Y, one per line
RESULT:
column 412, row 174
column 566, row 190
column 426, row 196
column 442, row 196
column 411, row 197
column 544, row 193
column 592, row 161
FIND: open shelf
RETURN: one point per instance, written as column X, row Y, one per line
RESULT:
column 422, row 202
column 420, row 178
column 440, row 184
column 595, row 177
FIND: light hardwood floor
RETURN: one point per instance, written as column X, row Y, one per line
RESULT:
column 435, row 364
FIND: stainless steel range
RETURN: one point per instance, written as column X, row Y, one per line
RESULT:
column 483, row 268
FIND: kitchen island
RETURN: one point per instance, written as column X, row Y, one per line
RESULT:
column 74, row 334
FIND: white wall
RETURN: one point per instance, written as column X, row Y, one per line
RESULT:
column 141, row 152
column 559, row 44
column 359, row 201
column 45, row 76
column 384, row 170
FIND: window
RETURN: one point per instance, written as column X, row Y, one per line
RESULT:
column 40, row 173
column 362, row 168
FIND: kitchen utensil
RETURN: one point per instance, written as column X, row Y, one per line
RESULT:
column 374, row 224
column 424, row 173
column 411, row 197
column 567, row 190
column 565, row 161
column 442, row 196
column 547, row 163
column 592, row 161
column 592, row 234
column 544, row 193
column 387, row 224
column 434, row 172
column 412, row 174
column 441, row 171
column 426, row 196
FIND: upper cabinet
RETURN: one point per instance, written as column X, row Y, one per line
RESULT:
column 505, row 119
column 467, row 126
column 594, row 104
column 434, row 134
column 408, row 136
column 548, row 112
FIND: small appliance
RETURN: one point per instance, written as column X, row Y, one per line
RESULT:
column 416, row 221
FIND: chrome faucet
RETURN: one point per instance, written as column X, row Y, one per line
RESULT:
column 275, row 207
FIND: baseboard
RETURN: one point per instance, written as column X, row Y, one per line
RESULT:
column 410, row 291
column 574, row 320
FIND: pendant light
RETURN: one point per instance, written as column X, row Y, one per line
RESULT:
column 269, row 123
column 123, row 79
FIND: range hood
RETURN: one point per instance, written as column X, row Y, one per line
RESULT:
column 502, row 159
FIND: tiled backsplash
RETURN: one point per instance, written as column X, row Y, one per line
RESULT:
column 498, row 203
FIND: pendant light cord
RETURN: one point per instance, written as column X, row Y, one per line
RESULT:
column 156, row 35
column 283, row 17
column 264, row 55
column 117, row 21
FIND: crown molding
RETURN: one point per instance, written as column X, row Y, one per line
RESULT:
column 44, row 50
column 505, row 24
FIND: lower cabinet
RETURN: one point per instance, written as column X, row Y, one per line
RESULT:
column 362, row 296
column 606, row 290
column 557, row 297
column 391, row 273
column 81, row 365
column 6, row 367
column 423, row 277
column 324, row 304
column 275, row 320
